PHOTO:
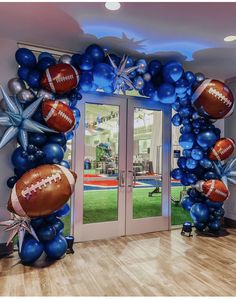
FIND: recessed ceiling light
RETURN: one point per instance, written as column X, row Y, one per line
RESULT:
column 230, row 38
column 112, row 5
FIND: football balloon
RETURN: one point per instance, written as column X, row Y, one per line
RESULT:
column 223, row 149
column 41, row 191
column 213, row 99
column 58, row 116
column 215, row 190
column 60, row 78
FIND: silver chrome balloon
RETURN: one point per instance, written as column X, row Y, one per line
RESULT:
column 65, row 59
column 15, row 85
column 45, row 94
column 25, row 96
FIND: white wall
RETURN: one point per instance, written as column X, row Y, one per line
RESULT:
column 8, row 69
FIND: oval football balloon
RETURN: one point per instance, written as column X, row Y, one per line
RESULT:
column 223, row 149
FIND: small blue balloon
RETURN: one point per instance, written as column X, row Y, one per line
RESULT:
column 25, row 57
column 199, row 77
column 130, row 62
column 33, row 79
column 189, row 76
column 18, row 160
column 172, row 71
column 46, row 233
column 148, row 89
column 186, row 121
column 184, row 102
column 154, row 67
column 187, row 202
column 75, row 60
column 96, row 52
column 11, row 181
column 31, row 250
column 181, row 86
column 65, row 164
column 53, row 153
column 185, row 112
column 191, row 163
column 176, row 105
column 176, row 120
column 184, row 180
column 182, row 162
column 187, row 140
column 187, row 153
column 166, row 93
column 138, row 83
column 191, row 178
column 45, row 63
column 45, row 55
column 199, row 212
column 206, row 139
column 210, row 175
column 37, row 139
column 177, row 173
column 197, row 154
column 64, row 211
column 58, row 225
column 23, row 72
column 58, row 138
column 142, row 66
column 56, row 248
column 200, row 226
column 86, row 62
column 214, row 226
column 103, row 75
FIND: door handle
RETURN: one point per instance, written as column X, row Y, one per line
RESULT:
column 132, row 179
column 121, row 178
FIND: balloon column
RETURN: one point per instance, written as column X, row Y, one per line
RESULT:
column 42, row 115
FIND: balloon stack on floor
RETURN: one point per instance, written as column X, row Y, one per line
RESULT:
column 41, row 114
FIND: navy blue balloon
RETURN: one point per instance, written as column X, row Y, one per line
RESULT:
column 192, row 192
column 103, row 75
column 86, row 81
column 65, row 164
column 176, row 105
column 191, row 163
column 190, row 77
column 39, row 154
column 182, row 162
column 75, row 60
column 58, row 138
column 187, row 202
column 46, row 233
column 185, row 112
column 31, row 250
column 206, row 139
column 36, row 223
column 45, row 63
column 64, row 211
column 172, row 71
column 191, row 178
column 210, row 175
column 37, row 139
column 23, row 72
column 45, row 55
column 184, row 102
column 33, row 79
column 154, row 67
column 184, row 180
column 199, row 212
column 96, row 52
column 53, row 153
column 186, row 121
column 214, row 226
column 187, row 153
column 187, row 140
column 18, row 160
column 186, row 129
column 176, row 120
column 138, row 83
column 148, row 89
column 57, row 224
column 197, row 154
column 181, row 86
column 199, row 77
column 177, row 173
column 86, row 62
column 56, row 248
column 130, row 62
column 25, row 57
column 200, row 226
column 11, row 181
column 166, row 93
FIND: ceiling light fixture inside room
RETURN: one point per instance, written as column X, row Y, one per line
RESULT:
column 112, row 5
column 230, row 38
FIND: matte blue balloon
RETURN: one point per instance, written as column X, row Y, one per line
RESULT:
column 11, row 181
column 18, row 160
column 187, row 153
column 210, row 175
column 181, row 86
column 46, row 233
column 25, row 57
column 186, row 140
column 65, row 164
column 176, row 120
column 45, row 63
column 96, row 52
column 33, row 79
column 64, row 211
column 177, row 173
column 75, row 60
column 166, row 93
column 53, row 153
column 56, row 248
column 176, row 105
column 103, row 75
column 199, row 77
column 172, row 71
column 214, row 226
column 197, row 154
column 58, row 138
column 31, row 250
column 86, row 62
column 199, row 212
column 142, row 66
column 206, row 139
column 191, row 163
column 190, row 77
column 45, row 55
column 37, row 139
column 23, row 72
column 138, row 83
column 148, row 89
column 154, row 67
column 187, row 202
column 200, row 226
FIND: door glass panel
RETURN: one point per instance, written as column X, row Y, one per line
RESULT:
column 147, row 163
column 101, row 163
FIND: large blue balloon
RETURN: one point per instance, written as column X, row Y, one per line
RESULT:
column 172, row 71
column 187, row 202
column 45, row 63
column 31, row 250
column 189, row 76
column 58, row 138
column 199, row 212
column 18, row 160
column 37, row 139
column 56, row 248
column 166, row 93
column 103, row 75
column 96, row 52
column 53, row 153
column 206, row 139
column 85, row 62
column 154, row 67
column 181, row 86
column 186, row 140
column 214, row 226
column 25, row 57
column 46, row 233
column 177, row 173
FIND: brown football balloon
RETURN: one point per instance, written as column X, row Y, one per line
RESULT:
column 213, row 99
column 223, row 149
column 42, row 190
column 215, row 190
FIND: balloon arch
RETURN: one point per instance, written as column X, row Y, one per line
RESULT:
column 41, row 114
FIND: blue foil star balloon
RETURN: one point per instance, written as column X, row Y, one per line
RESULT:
column 226, row 172
column 18, row 121
column 122, row 80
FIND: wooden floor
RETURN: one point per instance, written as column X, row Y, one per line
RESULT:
column 154, row 264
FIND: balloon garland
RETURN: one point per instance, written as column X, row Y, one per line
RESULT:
column 42, row 115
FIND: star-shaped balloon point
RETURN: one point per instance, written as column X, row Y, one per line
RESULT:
column 122, row 79
column 18, row 225
column 226, row 172
column 18, row 121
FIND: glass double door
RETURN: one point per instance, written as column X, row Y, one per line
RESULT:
column 121, row 154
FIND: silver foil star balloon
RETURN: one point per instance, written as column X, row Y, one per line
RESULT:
column 122, row 79
column 226, row 172
column 18, row 121
column 18, row 226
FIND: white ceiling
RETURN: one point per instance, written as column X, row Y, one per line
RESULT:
column 190, row 32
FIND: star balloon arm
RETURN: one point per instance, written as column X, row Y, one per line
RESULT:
column 8, row 135
column 112, row 63
column 23, row 138
column 18, row 105
column 122, row 65
column 130, row 69
column 230, row 164
column 10, row 104
column 231, row 180
column 231, row 173
column 30, row 110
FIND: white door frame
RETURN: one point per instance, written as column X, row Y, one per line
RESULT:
column 124, row 224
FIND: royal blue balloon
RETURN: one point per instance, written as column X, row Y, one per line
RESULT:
column 45, row 63
column 65, row 164
column 176, row 120
column 166, row 93
column 172, row 71
column 18, row 160
column 191, row 178
column 46, row 233
column 185, row 112
column 130, row 62
column 53, row 153
column 195, row 116
column 154, row 67
column 206, row 139
column 197, row 154
column 186, row 129
column 69, row 135
column 86, row 62
column 187, row 153
column 187, row 202
column 138, row 83
column 214, row 226
column 31, row 250
column 210, row 175
column 186, row 140
column 184, row 180
column 33, row 79
column 214, row 204
column 57, row 224
column 23, row 72
column 142, row 66
column 86, row 81
column 56, row 248
column 200, row 226
column 189, row 76
column 176, row 105
column 96, row 52
column 185, row 102
column 181, row 86
column 199, row 212
column 148, row 89
column 186, row 121
column 182, row 162
column 25, row 57
column 75, row 60
column 191, row 163
column 192, row 192
column 64, row 211
column 103, row 75
column 177, row 173
column 37, row 139
column 58, row 138
column 45, row 55
column 11, row 181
